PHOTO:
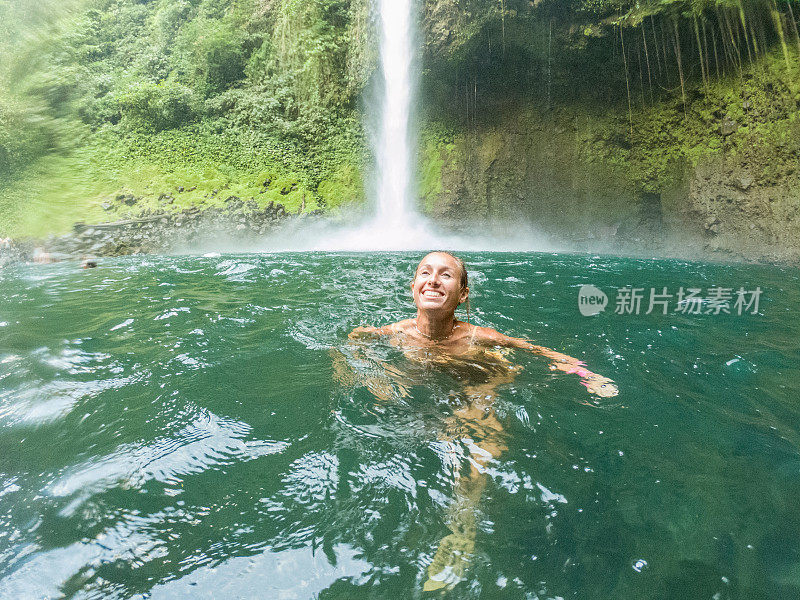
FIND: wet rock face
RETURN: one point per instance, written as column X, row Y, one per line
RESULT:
column 161, row 230
column 742, row 215
column 712, row 225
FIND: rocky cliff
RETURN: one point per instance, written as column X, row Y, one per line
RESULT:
column 608, row 136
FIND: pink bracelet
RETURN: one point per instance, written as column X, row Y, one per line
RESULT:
column 583, row 373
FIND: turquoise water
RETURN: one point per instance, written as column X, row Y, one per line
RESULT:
column 178, row 427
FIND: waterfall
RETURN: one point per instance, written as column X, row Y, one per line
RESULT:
column 394, row 223
column 394, row 141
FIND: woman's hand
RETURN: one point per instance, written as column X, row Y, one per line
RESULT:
column 364, row 331
column 595, row 384
column 600, row 386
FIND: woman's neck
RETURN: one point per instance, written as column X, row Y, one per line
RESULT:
column 435, row 328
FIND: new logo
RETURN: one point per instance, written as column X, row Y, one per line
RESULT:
column 591, row 300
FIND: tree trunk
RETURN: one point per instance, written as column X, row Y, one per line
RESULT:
column 744, row 31
column 655, row 43
column 700, row 54
column 754, row 40
column 716, row 58
column 728, row 51
column 503, row 26
column 705, row 47
column 641, row 70
column 664, row 48
column 794, row 26
column 778, row 22
column 733, row 42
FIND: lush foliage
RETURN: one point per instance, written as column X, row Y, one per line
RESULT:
column 256, row 85
column 225, row 94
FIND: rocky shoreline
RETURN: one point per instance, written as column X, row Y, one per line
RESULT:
column 154, row 231
column 244, row 224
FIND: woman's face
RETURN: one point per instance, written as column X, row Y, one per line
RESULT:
column 437, row 283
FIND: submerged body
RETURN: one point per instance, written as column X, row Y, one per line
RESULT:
column 436, row 337
column 468, row 341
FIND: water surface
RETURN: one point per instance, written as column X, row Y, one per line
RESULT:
column 197, row 427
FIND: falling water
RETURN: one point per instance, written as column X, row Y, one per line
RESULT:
column 394, row 223
column 394, row 140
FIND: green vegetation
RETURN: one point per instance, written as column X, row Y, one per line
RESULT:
column 752, row 120
column 648, row 90
column 438, row 148
column 108, row 95
column 99, row 97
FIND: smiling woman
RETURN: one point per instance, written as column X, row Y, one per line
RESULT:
column 439, row 286
column 475, row 354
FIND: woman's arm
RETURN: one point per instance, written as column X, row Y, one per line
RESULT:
column 367, row 331
column 596, row 384
column 353, row 366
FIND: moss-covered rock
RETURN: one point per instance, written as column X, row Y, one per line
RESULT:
column 729, row 158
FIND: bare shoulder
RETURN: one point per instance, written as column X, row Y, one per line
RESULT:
column 491, row 337
column 391, row 329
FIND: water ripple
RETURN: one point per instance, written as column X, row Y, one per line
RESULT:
column 207, row 442
column 136, row 398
